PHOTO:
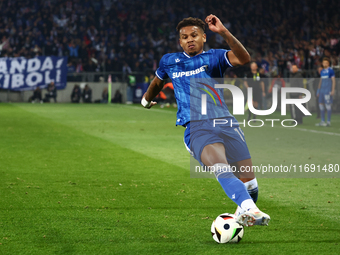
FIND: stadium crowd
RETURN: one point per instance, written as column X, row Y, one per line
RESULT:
column 117, row 35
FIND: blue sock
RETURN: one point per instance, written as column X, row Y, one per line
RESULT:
column 329, row 115
column 329, row 112
column 232, row 186
column 322, row 111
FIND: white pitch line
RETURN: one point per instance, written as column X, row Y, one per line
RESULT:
column 316, row 131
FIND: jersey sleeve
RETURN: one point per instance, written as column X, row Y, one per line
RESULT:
column 331, row 73
column 222, row 56
column 160, row 72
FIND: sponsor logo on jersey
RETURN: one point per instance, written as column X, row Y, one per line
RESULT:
column 188, row 73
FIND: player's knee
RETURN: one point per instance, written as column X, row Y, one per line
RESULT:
column 222, row 171
column 322, row 107
column 328, row 107
column 211, row 161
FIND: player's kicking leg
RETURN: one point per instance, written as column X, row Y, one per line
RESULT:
column 244, row 171
column 213, row 155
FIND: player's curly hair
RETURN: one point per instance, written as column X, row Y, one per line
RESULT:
column 191, row 22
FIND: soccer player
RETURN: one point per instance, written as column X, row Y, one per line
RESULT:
column 326, row 92
column 222, row 147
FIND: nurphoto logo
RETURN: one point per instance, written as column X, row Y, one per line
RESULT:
column 238, row 104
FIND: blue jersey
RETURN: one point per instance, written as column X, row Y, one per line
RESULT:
column 326, row 81
column 192, row 77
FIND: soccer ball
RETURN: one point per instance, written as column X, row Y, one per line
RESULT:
column 225, row 229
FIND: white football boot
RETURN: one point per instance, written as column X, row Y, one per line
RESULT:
column 251, row 217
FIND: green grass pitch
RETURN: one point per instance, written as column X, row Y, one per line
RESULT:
column 115, row 179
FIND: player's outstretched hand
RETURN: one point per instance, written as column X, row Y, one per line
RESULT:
column 215, row 24
column 147, row 104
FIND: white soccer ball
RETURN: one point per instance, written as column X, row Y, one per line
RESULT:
column 225, row 229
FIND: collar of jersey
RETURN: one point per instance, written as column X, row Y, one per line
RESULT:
column 185, row 54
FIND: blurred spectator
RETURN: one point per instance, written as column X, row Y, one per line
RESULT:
column 51, row 93
column 87, row 94
column 255, row 81
column 36, row 95
column 90, row 67
column 277, row 82
column 266, row 85
column 76, row 94
column 36, row 51
column 105, row 96
column 131, row 82
column 263, row 63
column 296, row 81
column 73, row 49
column 276, row 33
column 50, row 49
column 117, row 97
column 235, row 80
column 315, row 88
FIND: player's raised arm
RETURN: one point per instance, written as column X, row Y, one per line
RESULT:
column 238, row 54
column 155, row 87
